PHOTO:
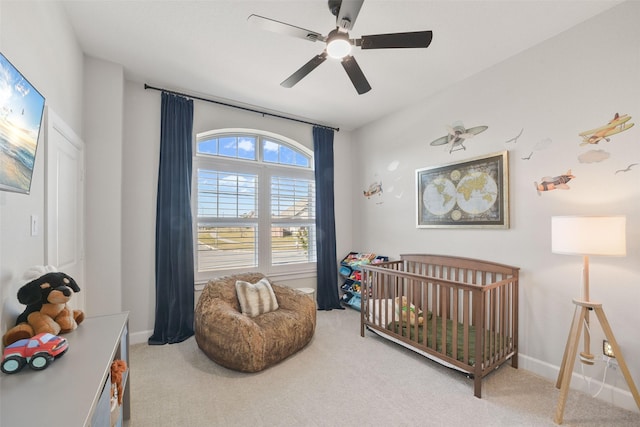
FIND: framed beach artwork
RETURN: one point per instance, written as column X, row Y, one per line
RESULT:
column 21, row 110
column 470, row 194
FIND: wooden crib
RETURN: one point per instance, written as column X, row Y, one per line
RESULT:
column 473, row 304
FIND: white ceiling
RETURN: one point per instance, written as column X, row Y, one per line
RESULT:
column 207, row 48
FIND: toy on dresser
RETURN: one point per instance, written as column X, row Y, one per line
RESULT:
column 118, row 368
column 38, row 352
column 46, row 309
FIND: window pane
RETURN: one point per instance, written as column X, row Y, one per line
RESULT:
column 286, row 155
column 301, row 160
column 221, row 248
column 207, row 193
column 209, row 146
column 292, row 198
column 247, row 147
column 293, row 244
column 270, row 151
column 241, row 147
column 224, row 195
column 229, row 146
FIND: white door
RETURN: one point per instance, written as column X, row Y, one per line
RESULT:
column 64, row 202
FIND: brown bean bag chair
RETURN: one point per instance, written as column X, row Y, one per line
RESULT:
column 250, row 344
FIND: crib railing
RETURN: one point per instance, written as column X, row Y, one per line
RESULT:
column 469, row 309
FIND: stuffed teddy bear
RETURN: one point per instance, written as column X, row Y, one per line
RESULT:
column 411, row 312
column 46, row 299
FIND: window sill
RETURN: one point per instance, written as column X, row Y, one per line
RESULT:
column 275, row 276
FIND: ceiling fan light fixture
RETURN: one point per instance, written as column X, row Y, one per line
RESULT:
column 338, row 45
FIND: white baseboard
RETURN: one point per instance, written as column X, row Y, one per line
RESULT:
column 139, row 337
column 620, row 397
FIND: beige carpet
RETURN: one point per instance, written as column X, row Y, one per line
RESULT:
column 341, row 379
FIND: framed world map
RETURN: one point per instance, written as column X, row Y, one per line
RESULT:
column 473, row 193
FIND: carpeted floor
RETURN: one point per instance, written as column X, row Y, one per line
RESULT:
column 341, row 379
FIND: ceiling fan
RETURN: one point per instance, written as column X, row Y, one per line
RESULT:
column 338, row 43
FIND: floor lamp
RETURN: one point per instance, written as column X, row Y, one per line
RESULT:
column 587, row 235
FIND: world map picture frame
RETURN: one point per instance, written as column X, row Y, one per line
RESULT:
column 473, row 193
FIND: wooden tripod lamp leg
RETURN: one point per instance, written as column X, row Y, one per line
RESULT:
column 566, row 350
column 566, row 370
column 570, row 352
column 608, row 332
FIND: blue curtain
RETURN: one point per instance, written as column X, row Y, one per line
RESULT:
column 327, row 270
column 174, row 238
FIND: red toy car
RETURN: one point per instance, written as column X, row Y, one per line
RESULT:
column 38, row 351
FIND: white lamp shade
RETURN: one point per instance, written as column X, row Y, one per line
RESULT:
column 589, row 235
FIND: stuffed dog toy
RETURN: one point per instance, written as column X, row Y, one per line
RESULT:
column 46, row 299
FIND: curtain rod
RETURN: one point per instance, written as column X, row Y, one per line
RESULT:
column 264, row 113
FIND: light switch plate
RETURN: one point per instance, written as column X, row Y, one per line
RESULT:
column 35, row 225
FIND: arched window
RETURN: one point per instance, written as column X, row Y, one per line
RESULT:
column 254, row 204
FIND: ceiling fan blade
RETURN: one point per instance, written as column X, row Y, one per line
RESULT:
column 355, row 74
column 348, row 13
column 396, row 40
column 283, row 28
column 304, row 70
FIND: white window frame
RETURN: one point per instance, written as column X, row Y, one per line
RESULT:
column 264, row 171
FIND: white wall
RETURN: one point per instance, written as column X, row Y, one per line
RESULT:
column 38, row 40
column 571, row 83
column 103, row 127
column 141, row 153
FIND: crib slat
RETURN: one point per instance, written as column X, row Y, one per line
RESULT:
column 444, row 313
column 479, row 316
column 465, row 322
column 503, row 322
column 454, row 332
column 434, row 317
column 492, row 329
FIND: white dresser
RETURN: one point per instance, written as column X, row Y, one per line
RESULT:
column 75, row 389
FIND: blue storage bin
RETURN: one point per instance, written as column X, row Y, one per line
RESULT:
column 355, row 302
column 345, row 271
